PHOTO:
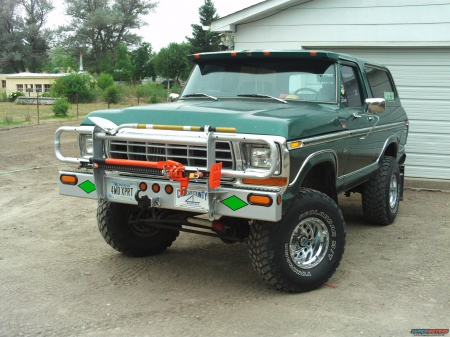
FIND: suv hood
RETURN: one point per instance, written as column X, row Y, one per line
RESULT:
column 251, row 116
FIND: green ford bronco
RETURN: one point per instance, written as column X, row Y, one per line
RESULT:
column 256, row 149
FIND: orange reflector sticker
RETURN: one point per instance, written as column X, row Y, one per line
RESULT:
column 267, row 182
column 68, row 179
column 279, row 199
column 258, row 199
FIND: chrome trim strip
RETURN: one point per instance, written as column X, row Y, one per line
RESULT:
column 341, row 135
column 312, row 155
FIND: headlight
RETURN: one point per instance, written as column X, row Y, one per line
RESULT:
column 86, row 146
column 260, row 157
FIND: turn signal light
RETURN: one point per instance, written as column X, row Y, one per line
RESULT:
column 266, row 182
column 68, row 179
column 258, row 199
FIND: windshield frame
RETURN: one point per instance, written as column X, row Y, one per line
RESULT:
column 196, row 75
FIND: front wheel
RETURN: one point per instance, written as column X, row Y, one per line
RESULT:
column 118, row 227
column 303, row 250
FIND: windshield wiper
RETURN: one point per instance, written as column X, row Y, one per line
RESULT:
column 263, row 96
column 200, row 94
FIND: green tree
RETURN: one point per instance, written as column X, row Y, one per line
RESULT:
column 59, row 58
column 122, row 67
column 171, row 62
column 205, row 41
column 104, row 81
column 141, row 59
column 101, row 25
column 112, row 95
column 105, row 64
column 73, row 87
column 23, row 38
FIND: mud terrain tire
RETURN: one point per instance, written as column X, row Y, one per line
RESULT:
column 131, row 239
column 300, row 252
column 381, row 194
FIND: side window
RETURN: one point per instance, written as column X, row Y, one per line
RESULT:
column 380, row 83
column 351, row 87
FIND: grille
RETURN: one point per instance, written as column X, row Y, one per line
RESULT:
column 188, row 155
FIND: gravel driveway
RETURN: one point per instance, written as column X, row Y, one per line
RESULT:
column 59, row 278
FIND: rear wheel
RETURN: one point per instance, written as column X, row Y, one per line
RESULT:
column 381, row 194
column 132, row 238
column 301, row 251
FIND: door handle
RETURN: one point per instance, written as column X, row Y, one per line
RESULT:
column 370, row 119
column 356, row 115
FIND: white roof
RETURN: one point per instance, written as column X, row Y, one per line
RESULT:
column 34, row 75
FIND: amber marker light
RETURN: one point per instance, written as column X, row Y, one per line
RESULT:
column 295, row 145
column 156, row 188
column 168, row 189
column 233, row 53
column 197, row 56
column 260, row 200
column 142, row 186
column 313, row 53
column 279, row 199
column 266, row 53
column 68, row 179
column 267, row 182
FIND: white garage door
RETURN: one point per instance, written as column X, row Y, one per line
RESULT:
column 422, row 77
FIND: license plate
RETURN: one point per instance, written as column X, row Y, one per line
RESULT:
column 121, row 190
column 192, row 199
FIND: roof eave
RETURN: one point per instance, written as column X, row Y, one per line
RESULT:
column 228, row 23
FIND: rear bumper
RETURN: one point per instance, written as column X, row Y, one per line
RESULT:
column 225, row 201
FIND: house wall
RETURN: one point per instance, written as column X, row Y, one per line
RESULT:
column 26, row 81
column 347, row 23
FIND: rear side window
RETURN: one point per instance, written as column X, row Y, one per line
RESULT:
column 380, row 83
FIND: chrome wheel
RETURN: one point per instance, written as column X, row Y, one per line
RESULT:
column 393, row 192
column 309, row 243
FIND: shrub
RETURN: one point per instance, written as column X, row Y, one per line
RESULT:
column 4, row 97
column 112, row 95
column 45, row 94
column 154, row 99
column 60, row 107
column 71, row 85
column 12, row 97
column 8, row 120
column 104, row 81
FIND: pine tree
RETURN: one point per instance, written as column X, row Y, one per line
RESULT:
column 205, row 41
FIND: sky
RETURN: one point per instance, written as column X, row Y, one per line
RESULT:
column 171, row 21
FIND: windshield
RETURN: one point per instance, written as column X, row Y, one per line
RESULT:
column 288, row 79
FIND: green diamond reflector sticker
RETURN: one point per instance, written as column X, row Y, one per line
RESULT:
column 87, row 186
column 234, row 203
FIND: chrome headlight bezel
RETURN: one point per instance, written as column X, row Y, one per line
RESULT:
column 257, row 157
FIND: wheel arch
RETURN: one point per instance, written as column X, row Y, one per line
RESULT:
column 318, row 172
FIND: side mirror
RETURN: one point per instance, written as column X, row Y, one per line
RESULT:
column 375, row 105
column 173, row 97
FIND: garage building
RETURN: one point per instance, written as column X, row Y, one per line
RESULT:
column 410, row 37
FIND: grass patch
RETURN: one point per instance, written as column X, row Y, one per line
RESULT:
column 131, row 95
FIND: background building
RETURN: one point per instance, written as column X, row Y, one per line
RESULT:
column 411, row 37
column 28, row 83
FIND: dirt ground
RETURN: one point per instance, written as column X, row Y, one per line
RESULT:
column 59, row 277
